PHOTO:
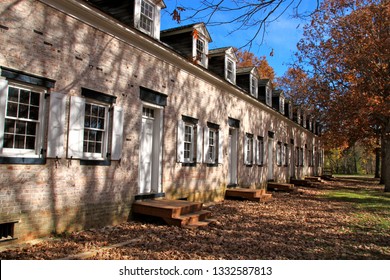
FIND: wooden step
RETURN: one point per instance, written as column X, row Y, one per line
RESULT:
column 301, row 182
column 165, row 208
column 174, row 212
column 280, row 186
column 313, row 179
column 189, row 219
column 249, row 194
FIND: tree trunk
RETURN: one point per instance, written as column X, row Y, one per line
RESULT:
column 386, row 162
column 377, row 162
column 383, row 158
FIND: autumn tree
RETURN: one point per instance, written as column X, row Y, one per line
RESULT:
column 247, row 58
column 346, row 54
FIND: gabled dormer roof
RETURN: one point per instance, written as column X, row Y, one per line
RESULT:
column 225, row 51
column 247, row 70
column 277, row 93
column 264, row 82
column 200, row 27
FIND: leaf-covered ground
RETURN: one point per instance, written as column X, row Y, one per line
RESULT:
column 307, row 224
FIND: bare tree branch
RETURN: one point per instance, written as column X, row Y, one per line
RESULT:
column 252, row 15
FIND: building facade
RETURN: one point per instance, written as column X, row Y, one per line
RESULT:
column 97, row 110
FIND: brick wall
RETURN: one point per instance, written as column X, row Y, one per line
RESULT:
column 62, row 195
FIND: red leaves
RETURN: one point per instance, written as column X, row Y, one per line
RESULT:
column 176, row 15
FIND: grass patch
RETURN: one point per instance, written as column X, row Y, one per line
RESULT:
column 372, row 207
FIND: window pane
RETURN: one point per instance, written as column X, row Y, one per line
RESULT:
column 9, row 126
column 94, row 111
column 91, row 135
column 34, row 113
column 20, row 127
column 98, row 148
column 13, row 94
column 91, row 147
column 24, row 96
column 12, row 109
column 8, row 141
column 99, row 136
column 30, row 142
column 93, row 123
column 87, row 109
column 19, row 142
column 102, row 112
column 35, row 98
column 23, row 111
column 100, row 124
column 31, row 128
column 87, row 121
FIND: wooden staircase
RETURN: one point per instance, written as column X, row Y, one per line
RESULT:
column 259, row 195
column 174, row 212
column 301, row 182
column 285, row 187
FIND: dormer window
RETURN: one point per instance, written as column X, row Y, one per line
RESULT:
column 230, row 71
column 268, row 96
column 147, row 16
column 201, row 51
column 191, row 41
column 281, row 105
column 253, row 86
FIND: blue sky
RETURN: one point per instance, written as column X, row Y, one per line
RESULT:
column 281, row 35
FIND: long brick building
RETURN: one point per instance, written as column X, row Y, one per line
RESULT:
column 98, row 108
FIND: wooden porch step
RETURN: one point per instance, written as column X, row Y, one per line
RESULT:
column 314, row 179
column 174, row 212
column 301, row 182
column 280, row 186
column 165, row 208
column 250, row 194
column 196, row 218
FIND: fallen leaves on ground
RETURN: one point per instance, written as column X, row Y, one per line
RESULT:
column 298, row 225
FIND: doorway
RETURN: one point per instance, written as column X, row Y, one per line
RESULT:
column 150, row 155
column 232, row 154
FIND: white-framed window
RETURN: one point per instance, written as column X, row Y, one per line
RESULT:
column 248, row 149
column 94, row 126
column 281, row 105
column 253, row 86
column 230, row 71
column 304, row 120
column 189, row 141
column 279, row 155
column 21, row 119
column 147, row 16
column 285, row 157
column 201, row 51
column 299, row 116
column 268, row 95
column 95, row 130
column 213, row 144
column 260, row 151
